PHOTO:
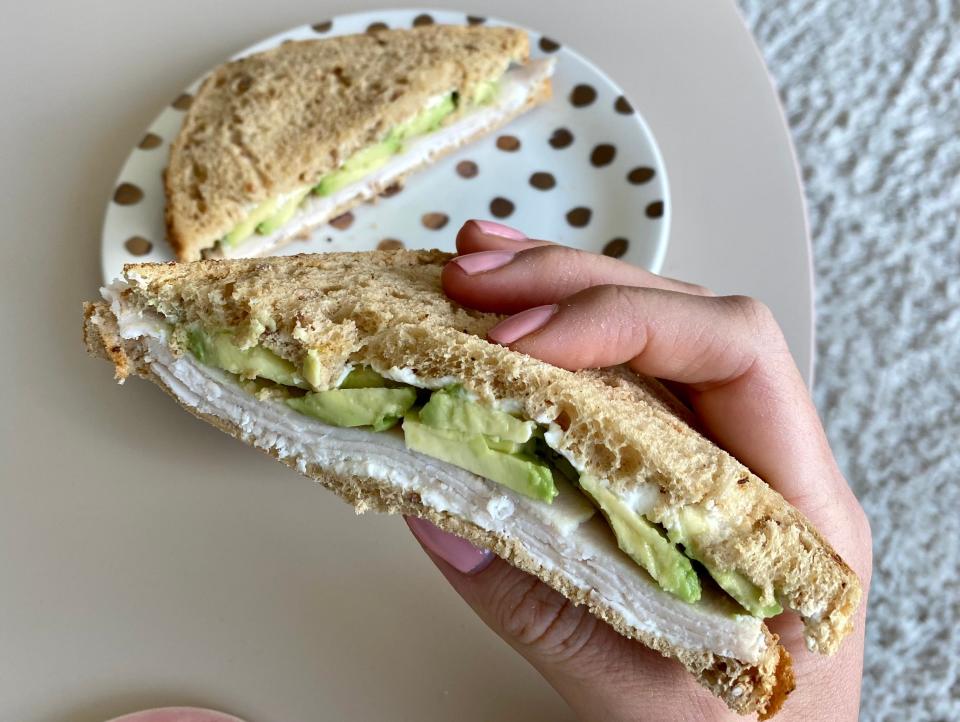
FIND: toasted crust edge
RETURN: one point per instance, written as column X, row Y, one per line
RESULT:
column 747, row 689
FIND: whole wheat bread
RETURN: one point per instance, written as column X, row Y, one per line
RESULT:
column 275, row 121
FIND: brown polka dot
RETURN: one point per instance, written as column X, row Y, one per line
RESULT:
column 641, row 174
column 377, row 27
column 475, row 20
column 389, row 244
column 127, row 194
column 654, row 210
column 501, row 207
column 323, row 27
column 467, row 169
column 561, row 138
column 549, row 46
column 421, row 20
column 603, row 154
column 616, row 248
column 391, row 190
column 541, row 180
column 579, row 217
column 150, row 141
column 434, row 221
column 183, row 101
column 508, row 143
column 582, row 95
column 343, row 221
column 138, row 246
column 623, row 105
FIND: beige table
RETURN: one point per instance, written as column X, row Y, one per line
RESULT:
column 145, row 558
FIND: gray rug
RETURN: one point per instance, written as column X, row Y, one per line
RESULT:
column 872, row 93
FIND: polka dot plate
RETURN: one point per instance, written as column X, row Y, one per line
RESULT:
column 583, row 170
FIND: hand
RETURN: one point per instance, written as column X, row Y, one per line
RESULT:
column 728, row 359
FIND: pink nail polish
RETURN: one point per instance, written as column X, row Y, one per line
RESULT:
column 521, row 324
column 458, row 553
column 492, row 228
column 483, row 261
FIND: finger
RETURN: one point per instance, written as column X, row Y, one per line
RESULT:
column 507, row 281
column 601, row 675
column 728, row 351
column 478, row 235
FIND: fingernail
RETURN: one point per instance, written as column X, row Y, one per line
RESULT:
column 523, row 323
column 483, row 261
column 492, row 228
column 458, row 553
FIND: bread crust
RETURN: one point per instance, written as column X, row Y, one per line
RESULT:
column 271, row 122
column 758, row 688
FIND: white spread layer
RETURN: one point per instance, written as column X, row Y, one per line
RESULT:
column 516, row 88
column 556, row 534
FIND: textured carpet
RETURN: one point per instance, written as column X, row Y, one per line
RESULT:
column 872, row 94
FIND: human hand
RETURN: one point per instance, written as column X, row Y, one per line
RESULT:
column 727, row 358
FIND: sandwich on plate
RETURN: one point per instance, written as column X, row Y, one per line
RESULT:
column 282, row 141
column 356, row 370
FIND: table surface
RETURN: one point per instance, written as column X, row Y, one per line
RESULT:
column 148, row 559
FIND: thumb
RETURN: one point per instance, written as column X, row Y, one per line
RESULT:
column 600, row 674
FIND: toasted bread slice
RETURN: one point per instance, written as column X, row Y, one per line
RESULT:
column 387, row 310
column 272, row 123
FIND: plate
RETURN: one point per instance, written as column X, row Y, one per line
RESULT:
column 583, row 170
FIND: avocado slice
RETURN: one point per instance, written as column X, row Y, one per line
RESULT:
column 361, row 377
column 644, row 543
column 486, row 92
column 425, row 121
column 519, row 472
column 218, row 349
column 449, row 409
column 507, row 447
column 364, row 377
column 284, row 213
column 690, row 524
column 379, row 408
column 357, row 166
column 244, row 229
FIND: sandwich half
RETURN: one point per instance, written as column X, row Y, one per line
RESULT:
column 282, row 141
column 356, row 370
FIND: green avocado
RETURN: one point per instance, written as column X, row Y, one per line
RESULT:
column 379, row 408
column 449, row 409
column 644, row 543
column 690, row 524
column 312, row 368
column 364, row 377
column 217, row 349
column 248, row 226
column 523, row 474
column 486, row 92
column 357, row 166
column 284, row 213
column 426, row 121
column 507, row 447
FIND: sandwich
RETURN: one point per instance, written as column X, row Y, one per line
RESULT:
column 357, row 371
column 282, row 141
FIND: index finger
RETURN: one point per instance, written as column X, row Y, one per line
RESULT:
column 514, row 275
